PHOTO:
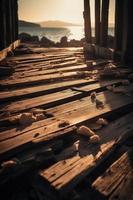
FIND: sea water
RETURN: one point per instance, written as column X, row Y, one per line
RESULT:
column 55, row 34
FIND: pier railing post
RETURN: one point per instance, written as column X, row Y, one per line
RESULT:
column 104, row 23
column 118, row 37
column 13, row 19
column 127, row 42
column 16, row 18
column 8, row 22
column 97, row 22
column 2, row 25
column 87, row 21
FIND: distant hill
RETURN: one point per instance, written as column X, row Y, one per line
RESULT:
column 28, row 24
column 57, row 23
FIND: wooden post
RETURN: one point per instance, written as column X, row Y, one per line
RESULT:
column 16, row 18
column 104, row 23
column 97, row 21
column 118, row 24
column 13, row 19
column 2, row 25
column 127, row 42
column 87, row 21
column 8, row 22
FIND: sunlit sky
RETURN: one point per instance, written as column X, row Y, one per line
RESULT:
column 64, row 10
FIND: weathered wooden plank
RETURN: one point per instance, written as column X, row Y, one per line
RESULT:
column 48, row 66
column 124, row 191
column 96, row 63
column 44, row 53
column 51, row 77
column 56, row 50
column 50, row 71
column 40, row 90
column 24, row 58
column 39, row 79
column 18, row 137
column 37, row 61
column 67, row 173
column 108, row 182
column 49, row 100
column 74, row 173
column 44, row 63
column 44, row 100
column 56, row 112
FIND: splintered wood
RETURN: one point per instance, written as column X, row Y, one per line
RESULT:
column 118, row 179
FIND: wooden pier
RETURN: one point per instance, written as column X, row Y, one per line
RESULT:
column 46, row 94
column 49, row 150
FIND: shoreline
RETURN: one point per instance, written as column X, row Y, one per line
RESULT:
column 45, row 42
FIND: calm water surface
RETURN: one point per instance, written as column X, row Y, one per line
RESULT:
column 55, row 34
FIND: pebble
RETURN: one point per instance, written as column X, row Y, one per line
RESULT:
column 95, row 139
column 84, row 130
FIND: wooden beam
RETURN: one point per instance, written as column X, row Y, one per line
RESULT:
column 2, row 25
column 104, row 22
column 127, row 47
column 118, row 24
column 87, row 21
column 97, row 21
column 118, row 29
column 8, row 23
column 16, row 18
column 13, row 20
